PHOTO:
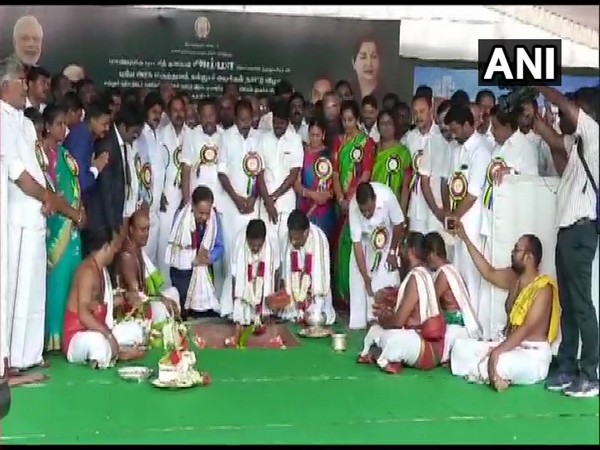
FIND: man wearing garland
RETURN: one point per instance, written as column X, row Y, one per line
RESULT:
column 305, row 269
column 465, row 184
column 376, row 221
column 409, row 330
column 254, row 267
column 195, row 245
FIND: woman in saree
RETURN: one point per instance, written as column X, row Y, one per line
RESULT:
column 63, row 241
column 314, row 186
column 392, row 159
column 353, row 155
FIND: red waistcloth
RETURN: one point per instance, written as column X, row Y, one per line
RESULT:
column 72, row 324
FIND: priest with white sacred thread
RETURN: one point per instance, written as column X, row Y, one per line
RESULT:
column 195, row 244
column 254, row 267
column 452, row 294
column 376, row 228
column 409, row 330
column 305, row 270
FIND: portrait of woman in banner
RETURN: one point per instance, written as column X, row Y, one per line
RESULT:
column 366, row 63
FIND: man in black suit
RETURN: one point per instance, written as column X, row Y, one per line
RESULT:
column 106, row 200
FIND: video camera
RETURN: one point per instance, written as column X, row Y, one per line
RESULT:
column 516, row 98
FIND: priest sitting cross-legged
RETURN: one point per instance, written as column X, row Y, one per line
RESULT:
column 139, row 278
column 195, row 245
column 523, row 356
column 410, row 330
column 306, row 272
column 254, row 266
column 90, row 334
column 452, row 294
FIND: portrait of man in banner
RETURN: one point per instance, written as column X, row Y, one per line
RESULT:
column 27, row 40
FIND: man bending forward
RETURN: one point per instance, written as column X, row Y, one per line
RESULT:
column 89, row 335
column 524, row 356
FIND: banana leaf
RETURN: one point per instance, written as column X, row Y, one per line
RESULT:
column 248, row 331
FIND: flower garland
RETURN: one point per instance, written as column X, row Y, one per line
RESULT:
column 253, row 293
column 301, row 278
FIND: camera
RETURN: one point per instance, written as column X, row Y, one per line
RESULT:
column 516, row 98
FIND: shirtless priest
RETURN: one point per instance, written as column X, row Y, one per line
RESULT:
column 90, row 335
column 139, row 277
column 533, row 310
column 305, row 270
column 452, row 294
column 409, row 329
column 255, row 276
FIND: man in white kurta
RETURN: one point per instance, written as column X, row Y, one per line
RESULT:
column 466, row 188
column 239, row 165
column 282, row 155
column 26, row 299
column 375, row 220
column 429, row 155
column 150, row 169
column 4, row 348
column 200, row 159
column 173, row 137
column 514, row 154
column 305, row 270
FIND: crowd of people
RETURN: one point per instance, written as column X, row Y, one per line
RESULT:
column 228, row 206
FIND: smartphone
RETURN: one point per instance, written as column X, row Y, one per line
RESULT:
column 450, row 223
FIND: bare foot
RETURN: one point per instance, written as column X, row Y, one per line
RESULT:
column 500, row 384
column 94, row 364
column 393, row 368
column 21, row 380
column 231, row 342
column 365, row 359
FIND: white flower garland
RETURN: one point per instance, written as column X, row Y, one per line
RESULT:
column 302, row 280
column 254, row 287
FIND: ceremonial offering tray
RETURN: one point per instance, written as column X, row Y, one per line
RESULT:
column 135, row 373
column 174, row 385
column 314, row 332
column 338, row 342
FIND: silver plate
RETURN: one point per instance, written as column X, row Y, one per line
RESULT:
column 134, row 373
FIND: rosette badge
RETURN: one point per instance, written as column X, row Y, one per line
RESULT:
column 252, row 165
column 458, row 188
column 357, row 154
column 379, row 240
column 393, row 165
column 496, row 165
column 324, row 171
column 208, row 154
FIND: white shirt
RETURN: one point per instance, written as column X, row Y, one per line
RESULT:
column 131, row 200
column 234, row 149
column 266, row 122
column 434, row 161
column 302, row 131
column 520, row 155
column 172, row 148
column 576, row 198
column 387, row 213
column 147, row 145
column 472, row 160
column 373, row 133
column 40, row 108
column 203, row 172
column 489, row 137
column 544, row 155
column 279, row 157
column 17, row 148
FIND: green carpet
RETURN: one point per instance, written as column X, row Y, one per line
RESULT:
column 302, row 395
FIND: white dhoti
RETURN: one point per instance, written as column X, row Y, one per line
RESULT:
column 471, row 276
column 165, row 221
column 26, row 295
column 492, row 316
column 151, row 247
column 279, row 229
column 526, row 364
column 361, row 304
column 4, row 347
column 160, row 313
column 397, row 346
column 93, row 346
column 453, row 333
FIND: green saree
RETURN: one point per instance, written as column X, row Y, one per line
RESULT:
column 353, row 158
column 63, row 244
column 390, row 167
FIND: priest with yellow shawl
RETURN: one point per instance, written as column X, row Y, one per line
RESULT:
column 522, row 356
